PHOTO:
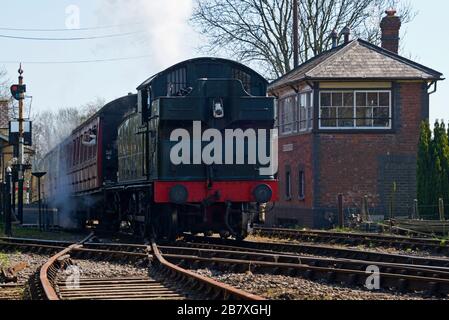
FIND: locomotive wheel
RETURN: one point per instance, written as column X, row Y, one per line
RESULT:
column 165, row 224
column 157, row 226
column 208, row 233
column 139, row 230
column 172, row 224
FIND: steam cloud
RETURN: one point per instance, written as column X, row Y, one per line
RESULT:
column 167, row 37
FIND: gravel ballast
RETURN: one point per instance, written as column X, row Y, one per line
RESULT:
column 103, row 269
column 33, row 261
column 274, row 287
column 374, row 249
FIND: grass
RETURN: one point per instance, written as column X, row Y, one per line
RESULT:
column 33, row 233
column 4, row 261
column 343, row 230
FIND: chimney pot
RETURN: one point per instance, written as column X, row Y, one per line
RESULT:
column 391, row 12
column 334, row 36
column 346, row 32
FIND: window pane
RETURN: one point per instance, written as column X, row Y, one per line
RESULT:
column 381, row 117
column 328, row 113
column 337, row 99
column 329, row 117
column 303, row 100
column 384, row 99
column 287, row 114
column 381, row 123
column 381, row 112
column 288, row 185
column 348, row 99
column 310, row 117
column 373, row 99
column 301, row 187
column 303, row 121
column 326, row 99
column 361, row 99
column 346, row 117
column 364, row 117
column 330, row 123
column 309, row 99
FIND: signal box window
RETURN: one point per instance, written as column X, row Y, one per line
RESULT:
column 301, row 186
column 368, row 110
column 288, row 184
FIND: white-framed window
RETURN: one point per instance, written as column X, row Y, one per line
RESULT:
column 304, row 118
column 287, row 108
column 296, row 113
column 355, row 110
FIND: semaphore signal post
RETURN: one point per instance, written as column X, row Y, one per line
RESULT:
column 18, row 139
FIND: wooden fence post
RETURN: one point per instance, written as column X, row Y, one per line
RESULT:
column 416, row 210
column 441, row 209
column 365, row 210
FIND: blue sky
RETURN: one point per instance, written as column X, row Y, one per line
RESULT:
column 167, row 40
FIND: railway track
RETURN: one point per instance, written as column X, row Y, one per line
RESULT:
column 169, row 276
column 354, row 239
column 422, row 275
column 316, row 250
column 165, row 281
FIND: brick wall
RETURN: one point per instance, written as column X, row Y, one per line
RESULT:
column 299, row 158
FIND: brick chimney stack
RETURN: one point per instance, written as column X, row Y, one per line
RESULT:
column 390, row 26
column 4, row 114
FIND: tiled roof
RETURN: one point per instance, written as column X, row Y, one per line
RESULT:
column 357, row 60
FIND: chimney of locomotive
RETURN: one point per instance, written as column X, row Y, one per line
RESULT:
column 390, row 26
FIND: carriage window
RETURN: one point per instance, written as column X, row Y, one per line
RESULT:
column 176, row 82
column 244, row 77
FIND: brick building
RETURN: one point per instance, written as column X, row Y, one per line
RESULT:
column 349, row 124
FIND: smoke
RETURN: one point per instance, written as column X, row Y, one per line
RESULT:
column 167, row 36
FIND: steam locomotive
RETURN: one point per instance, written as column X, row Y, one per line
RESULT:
column 192, row 151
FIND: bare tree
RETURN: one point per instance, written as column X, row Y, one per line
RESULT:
column 3, row 84
column 92, row 107
column 51, row 128
column 259, row 32
column 5, row 95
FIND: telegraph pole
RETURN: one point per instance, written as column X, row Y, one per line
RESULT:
column 21, row 175
column 295, row 33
